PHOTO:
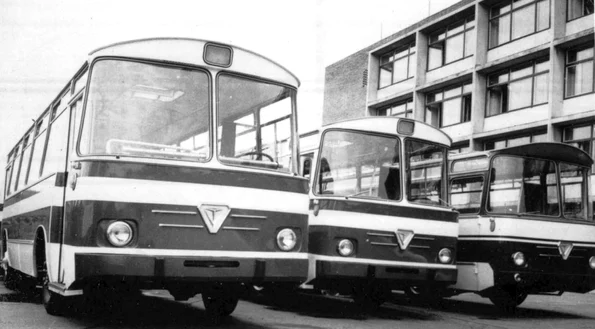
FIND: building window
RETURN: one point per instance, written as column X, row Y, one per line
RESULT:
column 582, row 137
column 459, row 148
column 514, row 19
column 452, row 43
column 517, row 88
column 579, row 71
column 579, row 8
column 397, row 65
column 515, row 141
column 402, row 110
column 449, row 106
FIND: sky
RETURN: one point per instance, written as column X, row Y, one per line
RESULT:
column 43, row 43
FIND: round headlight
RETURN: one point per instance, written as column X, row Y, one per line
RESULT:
column 592, row 262
column 119, row 233
column 345, row 247
column 445, row 255
column 518, row 258
column 286, row 239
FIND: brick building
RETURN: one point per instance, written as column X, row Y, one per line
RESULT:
column 490, row 74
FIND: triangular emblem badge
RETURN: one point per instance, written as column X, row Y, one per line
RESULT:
column 213, row 216
column 565, row 248
column 403, row 238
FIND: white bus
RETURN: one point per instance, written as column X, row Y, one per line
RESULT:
column 164, row 163
column 526, row 222
column 379, row 219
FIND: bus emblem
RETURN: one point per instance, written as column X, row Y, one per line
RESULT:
column 213, row 216
column 403, row 238
column 565, row 248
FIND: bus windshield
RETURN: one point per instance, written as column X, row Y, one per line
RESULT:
column 426, row 177
column 254, row 122
column 146, row 110
column 523, row 186
column 359, row 165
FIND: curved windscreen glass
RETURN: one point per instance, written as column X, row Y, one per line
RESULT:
column 146, row 110
column 524, row 186
column 254, row 123
column 359, row 165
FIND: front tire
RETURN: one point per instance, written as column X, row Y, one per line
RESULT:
column 507, row 299
column 370, row 297
column 218, row 305
column 54, row 304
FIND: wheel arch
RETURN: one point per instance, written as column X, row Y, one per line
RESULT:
column 39, row 248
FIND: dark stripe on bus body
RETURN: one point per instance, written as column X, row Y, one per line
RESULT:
column 209, row 176
column 539, row 260
column 24, row 226
column 386, row 210
column 422, row 249
column 141, row 268
column 87, row 221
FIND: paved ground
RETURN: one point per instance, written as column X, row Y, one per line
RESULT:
column 157, row 309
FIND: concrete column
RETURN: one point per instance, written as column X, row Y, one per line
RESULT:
column 482, row 23
column 421, row 52
column 555, row 90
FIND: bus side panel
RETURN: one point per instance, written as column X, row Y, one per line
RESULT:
column 37, row 207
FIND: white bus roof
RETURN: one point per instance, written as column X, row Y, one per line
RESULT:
column 190, row 51
column 388, row 125
column 543, row 150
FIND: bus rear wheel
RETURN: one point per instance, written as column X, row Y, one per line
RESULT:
column 11, row 278
column 507, row 299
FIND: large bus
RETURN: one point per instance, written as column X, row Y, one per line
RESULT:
column 526, row 222
column 164, row 163
column 379, row 218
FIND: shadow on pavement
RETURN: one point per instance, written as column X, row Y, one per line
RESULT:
column 329, row 307
column 484, row 311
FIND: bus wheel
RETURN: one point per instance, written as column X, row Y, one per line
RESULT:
column 370, row 297
column 219, row 305
column 507, row 298
column 55, row 304
column 11, row 278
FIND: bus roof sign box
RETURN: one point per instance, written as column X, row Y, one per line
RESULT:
column 217, row 55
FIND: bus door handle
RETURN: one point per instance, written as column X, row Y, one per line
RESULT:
column 492, row 224
column 76, row 166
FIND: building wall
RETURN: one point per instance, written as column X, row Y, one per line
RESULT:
column 345, row 93
column 549, row 112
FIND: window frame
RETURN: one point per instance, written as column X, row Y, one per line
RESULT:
column 462, row 96
column 389, row 108
column 480, row 175
column 506, row 140
column 214, row 120
column 576, row 63
column 510, row 12
column 316, row 180
column 508, row 72
column 411, row 51
column 568, row 19
column 84, row 92
column 445, row 30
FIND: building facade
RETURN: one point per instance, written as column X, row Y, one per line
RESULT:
column 490, row 74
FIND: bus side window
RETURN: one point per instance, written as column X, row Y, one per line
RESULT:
column 465, row 194
column 307, row 167
column 55, row 158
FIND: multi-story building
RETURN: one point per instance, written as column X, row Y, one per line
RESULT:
column 489, row 73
